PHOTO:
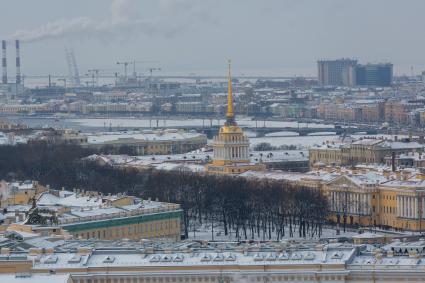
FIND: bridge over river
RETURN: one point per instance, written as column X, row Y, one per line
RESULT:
column 211, row 131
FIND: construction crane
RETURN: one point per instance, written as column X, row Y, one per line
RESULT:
column 153, row 69
column 136, row 61
column 74, row 75
column 94, row 75
column 125, row 64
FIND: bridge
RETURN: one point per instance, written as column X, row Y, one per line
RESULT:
column 212, row 130
column 303, row 131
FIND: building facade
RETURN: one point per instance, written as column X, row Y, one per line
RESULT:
column 377, row 75
column 215, row 262
column 335, row 72
column 395, row 201
column 364, row 151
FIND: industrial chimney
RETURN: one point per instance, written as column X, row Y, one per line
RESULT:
column 4, row 62
column 18, row 63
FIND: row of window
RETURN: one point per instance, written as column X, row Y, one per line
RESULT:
column 159, row 228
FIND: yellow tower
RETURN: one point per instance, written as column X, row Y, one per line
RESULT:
column 231, row 146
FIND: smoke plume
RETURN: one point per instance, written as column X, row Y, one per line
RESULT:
column 123, row 21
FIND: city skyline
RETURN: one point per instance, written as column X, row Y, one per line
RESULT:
column 197, row 37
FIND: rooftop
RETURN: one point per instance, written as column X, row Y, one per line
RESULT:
column 148, row 135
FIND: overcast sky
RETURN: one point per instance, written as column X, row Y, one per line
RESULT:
column 273, row 37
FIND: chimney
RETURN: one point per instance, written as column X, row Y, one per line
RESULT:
column 18, row 63
column 4, row 62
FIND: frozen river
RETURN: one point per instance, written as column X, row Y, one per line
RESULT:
column 136, row 122
column 106, row 124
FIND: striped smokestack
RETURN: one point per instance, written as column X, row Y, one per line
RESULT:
column 18, row 63
column 4, row 62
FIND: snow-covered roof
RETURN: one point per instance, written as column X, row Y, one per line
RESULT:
column 34, row 278
column 105, row 137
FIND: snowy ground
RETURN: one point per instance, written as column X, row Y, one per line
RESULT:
column 204, row 233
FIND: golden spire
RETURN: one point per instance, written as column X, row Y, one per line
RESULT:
column 230, row 115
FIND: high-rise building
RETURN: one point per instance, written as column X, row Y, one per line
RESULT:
column 374, row 74
column 231, row 146
column 336, row 72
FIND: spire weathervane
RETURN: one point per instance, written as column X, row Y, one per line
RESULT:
column 230, row 116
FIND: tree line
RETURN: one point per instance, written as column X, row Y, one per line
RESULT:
column 250, row 208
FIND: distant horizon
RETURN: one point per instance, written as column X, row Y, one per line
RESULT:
column 282, row 38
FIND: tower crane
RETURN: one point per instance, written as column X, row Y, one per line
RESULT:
column 134, row 65
column 125, row 64
column 94, row 74
column 153, row 69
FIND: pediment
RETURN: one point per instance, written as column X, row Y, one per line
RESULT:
column 341, row 180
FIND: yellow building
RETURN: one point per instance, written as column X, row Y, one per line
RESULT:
column 19, row 193
column 363, row 151
column 231, row 146
column 390, row 200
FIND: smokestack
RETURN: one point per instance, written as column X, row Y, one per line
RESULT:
column 18, row 63
column 4, row 62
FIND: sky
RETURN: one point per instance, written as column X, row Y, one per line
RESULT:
column 262, row 37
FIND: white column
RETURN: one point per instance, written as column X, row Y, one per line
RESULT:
column 349, row 202
column 406, row 214
column 403, row 205
column 423, row 207
column 406, row 206
column 397, row 206
column 358, row 205
column 415, row 207
column 337, row 201
column 369, row 203
column 415, row 210
column 365, row 206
